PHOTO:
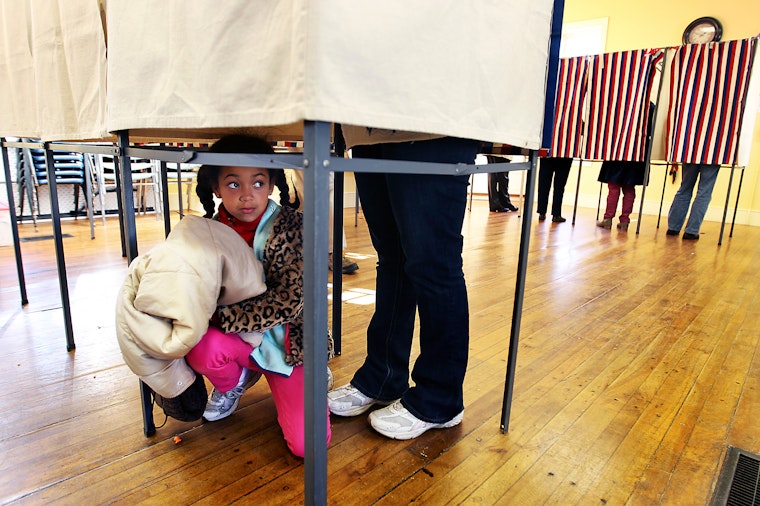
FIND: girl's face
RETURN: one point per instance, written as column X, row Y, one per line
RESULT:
column 244, row 191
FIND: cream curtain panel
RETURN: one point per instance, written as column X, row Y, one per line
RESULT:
column 189, row 69
column 52, row 69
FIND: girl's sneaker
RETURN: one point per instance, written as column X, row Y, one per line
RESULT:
column 223, row 404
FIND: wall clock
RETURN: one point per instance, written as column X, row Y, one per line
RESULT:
column 703, row 30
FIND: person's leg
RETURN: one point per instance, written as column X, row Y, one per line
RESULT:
column 225, row 360
column 385, row 373
column 498, row 187
column 441, row 294
column 221, row 358
column 682, row 198
column 295, row 178
column 288, row 396
column 561, row 173
column 708, row 174
column 494, row 205
column 545, row 174
column 613, row 195
column 629, row 196
column 347, row 266
column 505, row 200
column 437, row 280
column 405, row 218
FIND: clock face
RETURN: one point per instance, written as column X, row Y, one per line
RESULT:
column 703, row 30
column 702, row 34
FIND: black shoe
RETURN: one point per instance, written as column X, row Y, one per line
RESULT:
column 541, row 217
column 558, row 219
column 511, row 207
column 499, row 209
column 672, row 232
column 347, row 266
column 690, row 237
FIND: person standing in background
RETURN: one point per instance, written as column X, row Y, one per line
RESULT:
column 707, row 175
column 498, row 188
column 552, row 168
column 620, row 176
column 348, row 266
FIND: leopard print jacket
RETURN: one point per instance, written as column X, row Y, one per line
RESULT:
column 283, row 300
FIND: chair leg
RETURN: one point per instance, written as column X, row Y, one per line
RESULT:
column 76, row 201
column 179, row 195
column 25, row 189
column 149, row 427
column 356, row 209
column 189, row 187
column 102, row 197
column 144, row 198
column 21, row 204
column 157, row 204
column 89, row 202
column 470, row 191
column 35, row 207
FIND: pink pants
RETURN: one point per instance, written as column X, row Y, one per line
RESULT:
column 613, row 195
column 221, row 358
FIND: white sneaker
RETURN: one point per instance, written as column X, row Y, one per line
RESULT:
column 223, row 404
column 348, row 401
column 396, row 422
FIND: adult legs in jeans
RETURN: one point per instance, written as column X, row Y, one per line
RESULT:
column 707, row 175
column 415, row 223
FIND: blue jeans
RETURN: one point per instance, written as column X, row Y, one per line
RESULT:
column 415, row 223
column 680, row 206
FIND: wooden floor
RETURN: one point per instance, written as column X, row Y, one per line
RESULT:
column 638, row 365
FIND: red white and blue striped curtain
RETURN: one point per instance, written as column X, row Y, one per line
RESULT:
column 568, row 109
column 708, row 86
column 619, row 93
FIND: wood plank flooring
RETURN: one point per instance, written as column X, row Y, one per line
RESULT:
column 638, row 365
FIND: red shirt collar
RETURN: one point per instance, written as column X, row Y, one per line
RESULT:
column 246, row 230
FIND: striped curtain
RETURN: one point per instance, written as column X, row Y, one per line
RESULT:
column 708, row 86
column 619, row 93
column 568, row 112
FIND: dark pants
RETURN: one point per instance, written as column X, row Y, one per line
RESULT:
column 498, row 191
column 415, row 222
column 559, row 170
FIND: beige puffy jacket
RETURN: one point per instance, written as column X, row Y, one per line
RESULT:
column 171, row 292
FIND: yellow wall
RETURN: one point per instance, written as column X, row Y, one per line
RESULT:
column 653, row 24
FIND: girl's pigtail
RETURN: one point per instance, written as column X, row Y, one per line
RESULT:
column 204, row 189
column 281, row 183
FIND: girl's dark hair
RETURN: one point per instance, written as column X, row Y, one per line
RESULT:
column 208, row 175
